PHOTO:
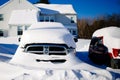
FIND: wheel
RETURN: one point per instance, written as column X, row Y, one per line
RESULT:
column 107, row 60
column 114, row 64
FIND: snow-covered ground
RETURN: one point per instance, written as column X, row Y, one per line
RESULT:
column 85, row 70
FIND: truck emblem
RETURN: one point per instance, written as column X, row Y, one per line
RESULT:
column 46, row 50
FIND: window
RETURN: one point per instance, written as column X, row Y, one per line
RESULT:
column 47, row 18
column 74, row 32
column 72, row 20
column 70, row 31
column 1, row 17
column 19, row 30
column 26, row 27
column 41, row 18
column 1, row 33
column 52, row 19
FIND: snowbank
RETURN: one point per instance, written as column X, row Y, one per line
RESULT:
column 15, row 72
column 82, row 71
column 82, row 44
column 9, row 40
column 9, row 72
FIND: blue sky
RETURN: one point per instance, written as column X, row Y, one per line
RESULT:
column 88, row 8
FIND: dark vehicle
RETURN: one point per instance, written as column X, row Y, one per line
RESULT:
column 105, row 47
column 98, row 53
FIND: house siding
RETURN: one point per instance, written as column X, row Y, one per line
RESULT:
column 6, row 10
column 67, row 19
column 13, row 31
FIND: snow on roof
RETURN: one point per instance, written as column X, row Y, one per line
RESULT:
column 111, row 36
column 23, row 17
column 56, row 8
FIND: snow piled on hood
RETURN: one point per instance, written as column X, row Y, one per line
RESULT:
column 47, row 32
column 46, row 25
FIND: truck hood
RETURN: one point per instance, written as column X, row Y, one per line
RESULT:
column 52, row 35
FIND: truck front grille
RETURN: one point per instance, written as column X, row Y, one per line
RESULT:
column 46, row 49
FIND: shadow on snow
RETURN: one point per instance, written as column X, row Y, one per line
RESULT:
column 8, row 48
column 83, row 56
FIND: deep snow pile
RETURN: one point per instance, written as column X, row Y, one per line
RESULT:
column 12, row 72
column 111, row 36
column 85, row 70
column 53, row 32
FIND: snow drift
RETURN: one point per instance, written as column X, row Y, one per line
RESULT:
column 111, row 36
column 85, row 70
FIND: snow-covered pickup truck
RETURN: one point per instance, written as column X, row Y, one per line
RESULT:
column 105, row 47
column 45, row 45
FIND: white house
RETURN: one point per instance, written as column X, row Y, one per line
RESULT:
column 64, row 14
column 17, row 15
column 6, row 12
column 20, row 20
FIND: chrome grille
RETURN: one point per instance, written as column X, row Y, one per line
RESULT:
column 46, row 49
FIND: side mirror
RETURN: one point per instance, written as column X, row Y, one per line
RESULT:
column 76, row 39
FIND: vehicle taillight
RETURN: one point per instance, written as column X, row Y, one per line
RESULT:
column 116, row 52
column 119, row 53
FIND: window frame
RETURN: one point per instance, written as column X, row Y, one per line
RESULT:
column 19, row 30
column 72, row 20
column 47, row 18
column 1, row 33
column 1, row 17
column 41, row 18
column 26, row 27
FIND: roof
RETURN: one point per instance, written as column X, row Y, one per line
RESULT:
column 56, row 8
column 18, row 4
column 21, row 17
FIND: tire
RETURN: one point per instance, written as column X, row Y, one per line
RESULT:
column 97, row 58
column 114, row 64
column 108, row 61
